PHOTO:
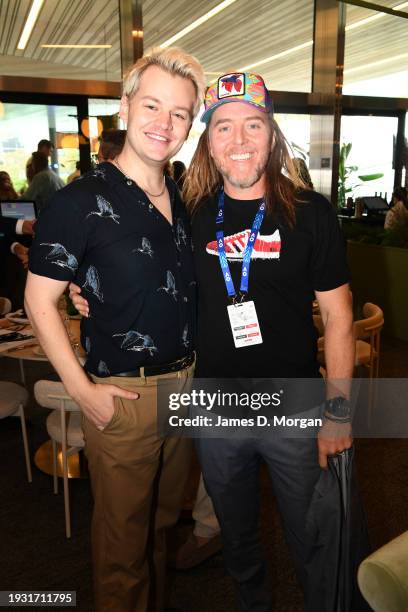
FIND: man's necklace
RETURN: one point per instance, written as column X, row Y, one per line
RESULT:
column 153, row 195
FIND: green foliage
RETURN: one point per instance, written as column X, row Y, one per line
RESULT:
column 347, row 174
column 395, row 237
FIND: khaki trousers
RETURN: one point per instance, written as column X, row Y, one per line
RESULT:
column 138, row 482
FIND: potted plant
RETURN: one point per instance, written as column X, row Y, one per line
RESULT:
column 347, row 174
column 378, row 260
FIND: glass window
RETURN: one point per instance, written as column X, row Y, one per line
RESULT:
column 22, row 126
column 372, row 152
column 376, row 52
column 296, row 129
column 269, row 37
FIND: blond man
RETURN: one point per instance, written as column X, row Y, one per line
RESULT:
column 122, row 234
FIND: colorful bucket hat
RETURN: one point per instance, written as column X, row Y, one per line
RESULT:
column 237, row 87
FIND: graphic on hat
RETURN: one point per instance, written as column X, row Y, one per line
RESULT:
column 231, row 85
column 237, row 87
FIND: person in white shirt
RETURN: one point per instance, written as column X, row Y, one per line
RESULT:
column 399, row 208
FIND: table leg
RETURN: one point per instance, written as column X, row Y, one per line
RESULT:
column 22, row 372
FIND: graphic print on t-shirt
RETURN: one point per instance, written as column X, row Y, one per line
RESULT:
column 265, row 247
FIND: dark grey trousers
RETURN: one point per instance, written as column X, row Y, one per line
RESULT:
column 231, row 472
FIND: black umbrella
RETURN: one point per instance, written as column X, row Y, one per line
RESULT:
column 338, row 538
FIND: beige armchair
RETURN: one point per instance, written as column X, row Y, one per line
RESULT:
column 383, row 577
column 367, row 333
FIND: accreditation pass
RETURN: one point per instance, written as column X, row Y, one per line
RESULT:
column 244, row 324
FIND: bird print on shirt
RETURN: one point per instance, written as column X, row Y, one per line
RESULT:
column 145, row 249
column 93, row 283
column 180, row 235
column 184, row 339
column 98, row 173
column 103, row 369
column 60, row 256
column 105, row 210
column 135, row 341
column 170, row 287
column 87, row 345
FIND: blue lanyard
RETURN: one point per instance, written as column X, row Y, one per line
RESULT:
column 259, row 217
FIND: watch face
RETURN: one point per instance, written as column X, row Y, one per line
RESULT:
column 338, row 406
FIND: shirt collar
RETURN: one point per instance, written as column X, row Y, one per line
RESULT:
column 115, row 176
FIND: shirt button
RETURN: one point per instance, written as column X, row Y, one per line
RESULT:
column 150, row 206
column 129, row 182
column 185, row 299
column 179, row 264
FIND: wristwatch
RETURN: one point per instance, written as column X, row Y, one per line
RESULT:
column 337, row 409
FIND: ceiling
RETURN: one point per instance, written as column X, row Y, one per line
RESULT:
column 244, row 33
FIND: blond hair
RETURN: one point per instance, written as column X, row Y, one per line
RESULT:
column 282, row 179
column 174, row 61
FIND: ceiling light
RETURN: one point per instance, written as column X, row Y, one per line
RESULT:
column 29, row 24
column 195, row 24
column 377, row 63
column 266, row 60
column 77, row 46
column 357, row 24
column 362, row 22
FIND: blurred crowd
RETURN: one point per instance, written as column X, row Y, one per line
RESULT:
column 42, row 182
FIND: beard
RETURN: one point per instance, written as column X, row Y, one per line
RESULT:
column 244, row 182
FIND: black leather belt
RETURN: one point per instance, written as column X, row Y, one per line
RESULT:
column 164, row 368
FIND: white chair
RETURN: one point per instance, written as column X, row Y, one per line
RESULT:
column 5, row 306
column 13, row 398
column 64, row 428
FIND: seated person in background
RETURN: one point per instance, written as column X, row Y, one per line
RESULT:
column 111, row 144
column 10, row 229
column 399, row 208
column 45, row 182
column 7, row 191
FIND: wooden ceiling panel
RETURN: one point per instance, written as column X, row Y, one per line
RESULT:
column 161, row 20
column 244, row 33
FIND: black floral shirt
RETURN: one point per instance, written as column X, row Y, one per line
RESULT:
column 135, row 269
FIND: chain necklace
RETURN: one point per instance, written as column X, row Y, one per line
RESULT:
column 145, row 190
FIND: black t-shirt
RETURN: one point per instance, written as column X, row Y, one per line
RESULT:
column 135, row 269
column 287, row 266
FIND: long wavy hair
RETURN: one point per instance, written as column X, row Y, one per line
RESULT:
column 283, row 182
